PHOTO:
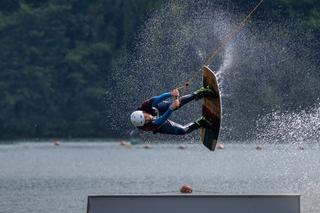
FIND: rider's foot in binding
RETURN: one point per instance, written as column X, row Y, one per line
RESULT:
column 204, row 122
column 205, row 92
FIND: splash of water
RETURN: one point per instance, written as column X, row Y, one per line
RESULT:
column 176, row 40
column 170, row 48
column 290, row 127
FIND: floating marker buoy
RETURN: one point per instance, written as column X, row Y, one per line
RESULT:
column 56, row 143
column 220, row 146
column 186, row 188
column 182, row 146
column 123, row 143
column 147, row 146
column 126, row 144
column 259, row 147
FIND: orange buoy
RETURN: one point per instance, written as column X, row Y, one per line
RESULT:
column 126, row 144
column 147, row 146
column 182, row 146
column 259, row 147
column 220, row 146
column 186, row 188
column 56, row 143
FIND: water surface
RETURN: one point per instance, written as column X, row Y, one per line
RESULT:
column 41, row 177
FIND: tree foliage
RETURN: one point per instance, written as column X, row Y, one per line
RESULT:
column 57, row 60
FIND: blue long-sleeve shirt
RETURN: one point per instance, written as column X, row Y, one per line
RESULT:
column 158, row 99
column 156, row 104
column 161, row 119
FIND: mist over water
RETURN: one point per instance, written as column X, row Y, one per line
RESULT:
column 171, row 47
column 175, row 42
column 177, row 39
column 299, row 127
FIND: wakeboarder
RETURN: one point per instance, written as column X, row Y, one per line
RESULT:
column 154, row 113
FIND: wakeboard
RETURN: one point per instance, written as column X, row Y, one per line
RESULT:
column 211, row 109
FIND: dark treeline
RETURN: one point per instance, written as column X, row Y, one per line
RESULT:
column 55, row 62
column 57, row 59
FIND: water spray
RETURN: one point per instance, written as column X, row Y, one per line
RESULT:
column 224, row 42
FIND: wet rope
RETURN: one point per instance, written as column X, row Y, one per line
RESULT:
column 224, row 42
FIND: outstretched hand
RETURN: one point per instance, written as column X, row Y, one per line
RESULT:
column 175, row 93
column 175, row 104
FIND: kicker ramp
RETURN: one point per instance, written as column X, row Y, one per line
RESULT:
column 208, row 203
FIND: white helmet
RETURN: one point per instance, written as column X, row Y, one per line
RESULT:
column 137, row 118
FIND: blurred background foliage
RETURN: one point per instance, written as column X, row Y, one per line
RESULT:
column 57, row 60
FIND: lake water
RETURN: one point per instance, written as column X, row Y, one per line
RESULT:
column 41, row 177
